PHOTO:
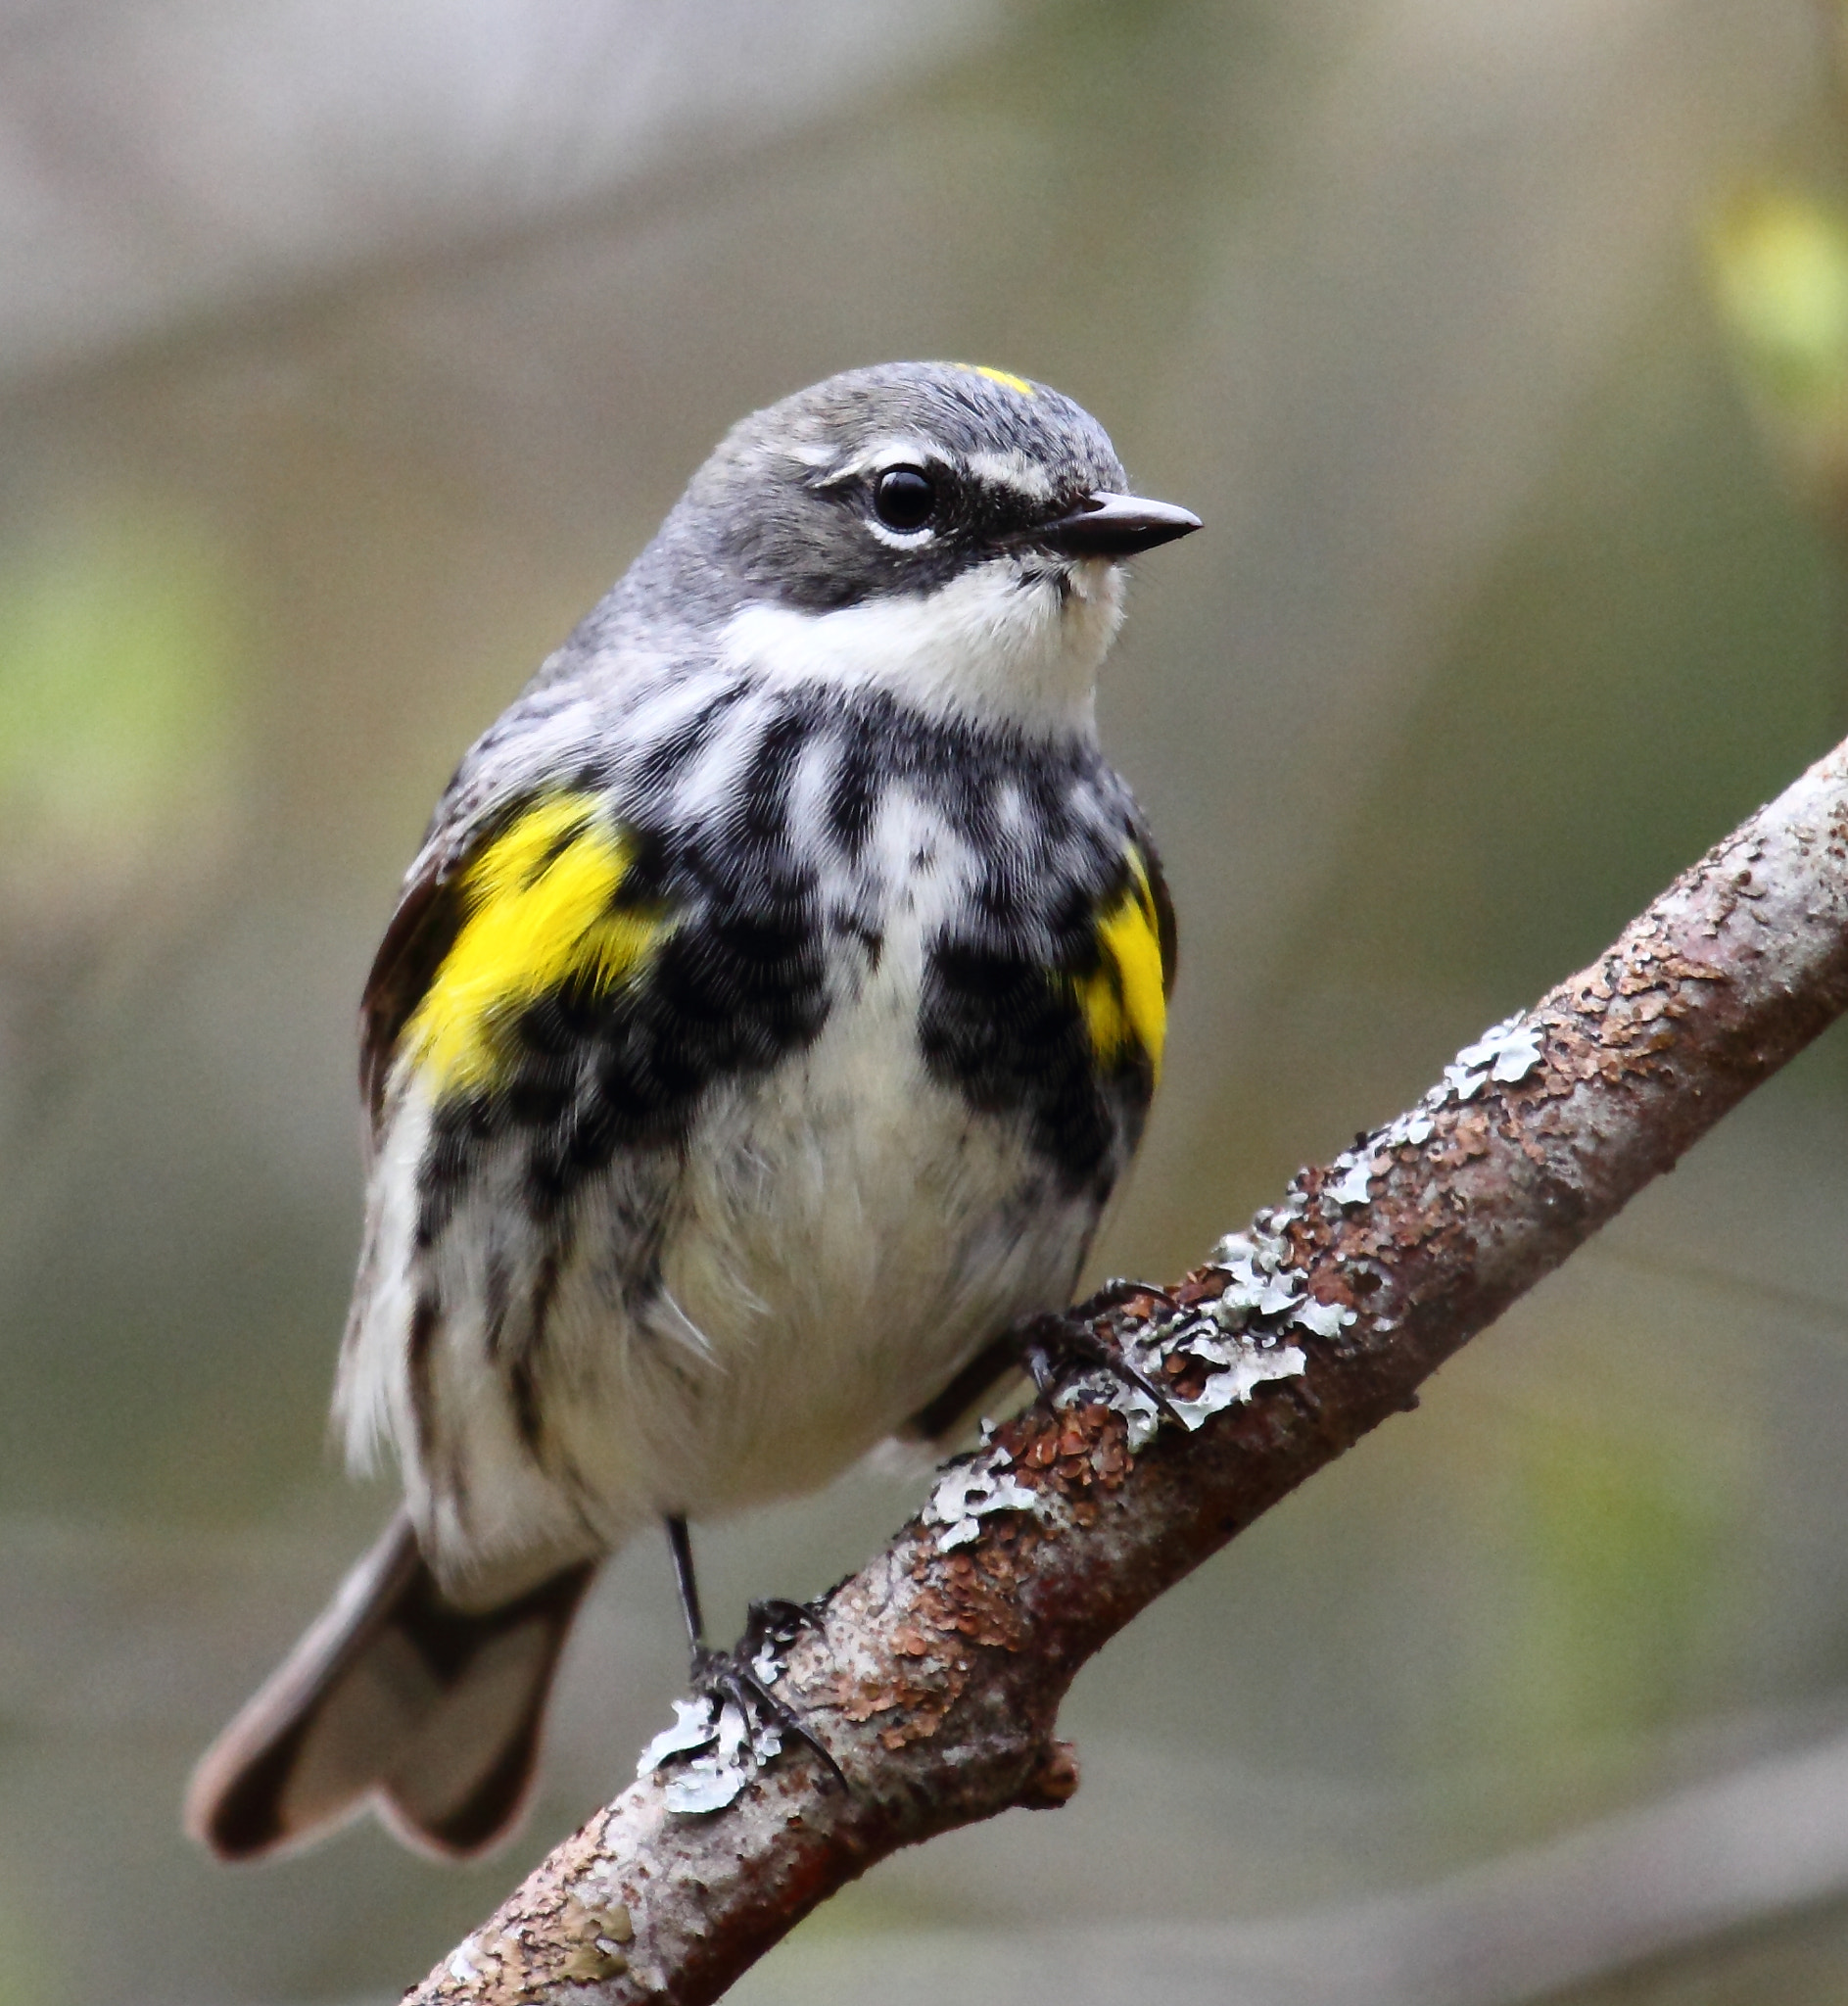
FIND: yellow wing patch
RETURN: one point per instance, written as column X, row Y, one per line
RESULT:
column 541, row 913
column 1124, row 999
column 1000, row 376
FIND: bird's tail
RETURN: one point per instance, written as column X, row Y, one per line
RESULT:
column 397, row 1699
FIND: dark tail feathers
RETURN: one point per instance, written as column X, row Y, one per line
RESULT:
column 395, row 1698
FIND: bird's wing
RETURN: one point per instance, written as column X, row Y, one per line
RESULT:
column 1168, row 931
column 421, row 933
column 1128, row 972
column 549, row 896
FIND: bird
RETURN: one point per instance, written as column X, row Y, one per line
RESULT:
column 762, row 1032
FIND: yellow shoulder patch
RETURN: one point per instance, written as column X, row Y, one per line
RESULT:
column 1124, row 998
column 1000, row 376
column 540, row 914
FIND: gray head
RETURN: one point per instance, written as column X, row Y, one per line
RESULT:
column 949, row 532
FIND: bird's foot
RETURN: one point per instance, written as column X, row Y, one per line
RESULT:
column 743, row 1674
column 1053, row 1344
column 1120, row 1290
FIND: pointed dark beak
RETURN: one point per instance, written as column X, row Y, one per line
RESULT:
column 1106, row 525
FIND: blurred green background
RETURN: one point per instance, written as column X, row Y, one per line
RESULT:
column 348, row 352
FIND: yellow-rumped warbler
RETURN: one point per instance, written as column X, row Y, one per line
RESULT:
column 770, row 1013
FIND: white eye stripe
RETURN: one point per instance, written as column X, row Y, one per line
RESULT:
column 883, row 454
column 1014, row 471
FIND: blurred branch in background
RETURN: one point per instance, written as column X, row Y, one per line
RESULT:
column 940, row 1667
column 1658, row 1883
column 262, row 153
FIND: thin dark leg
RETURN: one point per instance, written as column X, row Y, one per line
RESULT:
column 724, row 1675
column 987, row 1368
column 679, row 1544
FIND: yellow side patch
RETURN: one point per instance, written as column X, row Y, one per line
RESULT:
column 1122, row 998
column 1000, row 376
column 540, row 914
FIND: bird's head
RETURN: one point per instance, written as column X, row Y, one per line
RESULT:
column 951, row 534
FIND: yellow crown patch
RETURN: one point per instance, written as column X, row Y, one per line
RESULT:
column 1000, row 376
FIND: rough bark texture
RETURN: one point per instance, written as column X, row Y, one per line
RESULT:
column 938, row 1674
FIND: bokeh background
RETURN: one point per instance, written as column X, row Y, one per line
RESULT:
column 347, row 353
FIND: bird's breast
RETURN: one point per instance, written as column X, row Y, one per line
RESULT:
column 851, row 1228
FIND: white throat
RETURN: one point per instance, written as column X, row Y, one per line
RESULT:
column 1004, row 642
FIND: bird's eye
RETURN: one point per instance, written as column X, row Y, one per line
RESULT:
column 904, row 497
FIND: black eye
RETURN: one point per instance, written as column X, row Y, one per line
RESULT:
column 904, row 497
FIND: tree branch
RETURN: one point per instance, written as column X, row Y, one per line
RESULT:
column 937, row 1676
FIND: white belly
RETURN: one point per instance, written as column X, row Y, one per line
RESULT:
column 848, row 1234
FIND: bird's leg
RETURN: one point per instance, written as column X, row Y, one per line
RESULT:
column 681, row 1545
column 721, row 1675
column 1054, row 1342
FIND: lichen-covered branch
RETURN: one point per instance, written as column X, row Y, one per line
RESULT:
column 937, row 1675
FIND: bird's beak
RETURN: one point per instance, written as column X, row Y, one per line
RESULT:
column 1106, row 525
